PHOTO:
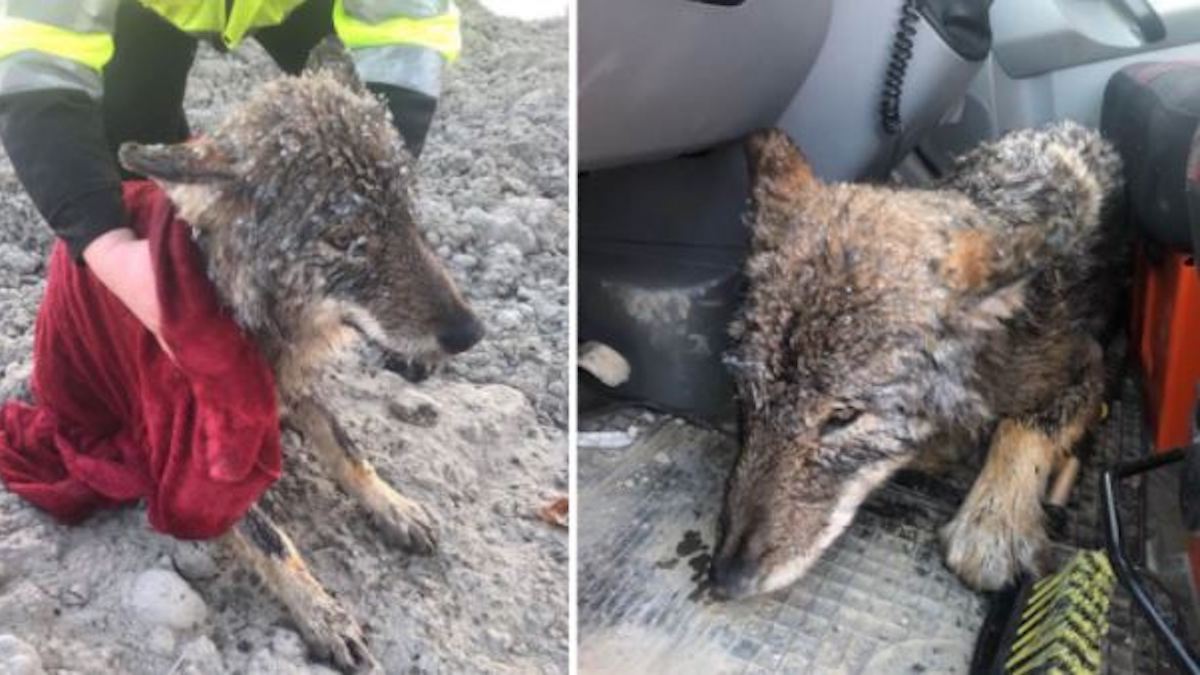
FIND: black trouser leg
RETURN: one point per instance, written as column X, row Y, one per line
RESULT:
column 290, row 42
column 412, row 113
column 145, row 81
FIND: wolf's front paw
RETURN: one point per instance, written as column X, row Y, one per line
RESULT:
column 987, row 549
column 333, row 635
column 404, row 523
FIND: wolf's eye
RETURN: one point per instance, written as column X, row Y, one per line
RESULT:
column 343, row 241
column 839, row 419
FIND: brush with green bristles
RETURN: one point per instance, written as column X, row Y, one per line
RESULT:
column 1065, row 618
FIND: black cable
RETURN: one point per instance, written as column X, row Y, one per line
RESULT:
column 893, row 81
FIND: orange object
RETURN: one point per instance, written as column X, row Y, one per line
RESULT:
column 1166, row 332
column 555, row 513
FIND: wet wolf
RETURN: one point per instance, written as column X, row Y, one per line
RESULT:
column 882, row 324
column 301, row 203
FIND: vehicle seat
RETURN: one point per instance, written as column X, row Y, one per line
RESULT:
column 1151, row 113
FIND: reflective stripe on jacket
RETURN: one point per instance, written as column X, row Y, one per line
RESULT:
column 56, row 44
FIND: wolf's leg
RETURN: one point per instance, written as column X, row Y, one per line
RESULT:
column 330, row 631
column 404, row 522
column 999, row 528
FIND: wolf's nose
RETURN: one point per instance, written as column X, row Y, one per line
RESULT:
column 732, row 577
column 461, row 335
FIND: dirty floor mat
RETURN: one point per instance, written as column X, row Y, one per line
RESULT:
column 879, row 601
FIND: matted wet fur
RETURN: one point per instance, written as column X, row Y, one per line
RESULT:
column 880, row 322
column 301, row 203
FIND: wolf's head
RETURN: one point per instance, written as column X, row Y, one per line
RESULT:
column 865, row 309
column 301, row 199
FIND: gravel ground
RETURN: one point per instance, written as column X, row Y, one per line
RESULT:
column 483, row 445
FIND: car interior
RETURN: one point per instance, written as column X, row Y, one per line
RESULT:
column 880, row 91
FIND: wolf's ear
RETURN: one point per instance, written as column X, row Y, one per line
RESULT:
column 331, row 56
column 987, row 274
column 184, row 163
column 984, row 258
column 775, row 159
column 780, row 182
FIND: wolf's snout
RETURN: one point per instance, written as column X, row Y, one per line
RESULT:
column 733, row 576
column 461, row 334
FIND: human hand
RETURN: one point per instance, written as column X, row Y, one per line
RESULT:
column 121, row 261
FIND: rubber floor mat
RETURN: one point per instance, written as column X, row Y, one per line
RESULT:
column 879, row 601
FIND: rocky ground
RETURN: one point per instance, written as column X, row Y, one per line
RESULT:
column 483, row 445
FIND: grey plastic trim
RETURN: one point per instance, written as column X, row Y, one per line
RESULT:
column 1032, row 37
column 662, row 77
column 1071, row 93
column 835, row 116
column 661, row 248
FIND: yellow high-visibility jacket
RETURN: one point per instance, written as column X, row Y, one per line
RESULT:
column 60, row 44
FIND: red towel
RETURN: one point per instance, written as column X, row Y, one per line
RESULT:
column 116, row 420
